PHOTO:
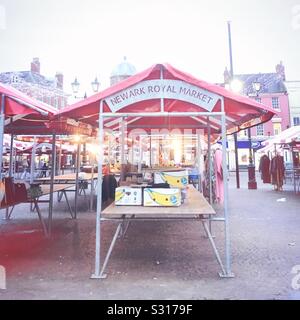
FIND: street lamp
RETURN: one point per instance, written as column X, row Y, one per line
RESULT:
column 95, row 85
column 75, row 87
column 252, row 184
column 256, row 87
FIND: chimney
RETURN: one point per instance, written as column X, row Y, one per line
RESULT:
column 59, row 80
column 35, row 65
column 280, row 70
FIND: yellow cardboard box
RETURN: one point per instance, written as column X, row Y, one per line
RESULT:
column 176, row 179
column 162, row 197
column 126, row 196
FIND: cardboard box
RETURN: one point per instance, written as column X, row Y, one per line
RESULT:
column 127, row 196
column 176, row 179
column 162, row 197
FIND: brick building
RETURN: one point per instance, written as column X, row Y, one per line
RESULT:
column 273, row 93
column 34, row 84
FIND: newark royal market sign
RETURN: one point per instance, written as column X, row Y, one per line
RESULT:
column 163, row 89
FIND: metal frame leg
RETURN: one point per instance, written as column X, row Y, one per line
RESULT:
column 68, row 203
column 41, row 218
column 210, row 229
column 9, row 213
column 113, row 242
column 216, row 252
column 59, row 196
column 124, row 228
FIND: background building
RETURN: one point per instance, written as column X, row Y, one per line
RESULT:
column 293, row 88
column 122, row 71
column 32, row 83
column 268, row 89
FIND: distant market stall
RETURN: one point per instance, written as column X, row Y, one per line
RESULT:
column 22, row 115
column 164, row 97
column 286, row 143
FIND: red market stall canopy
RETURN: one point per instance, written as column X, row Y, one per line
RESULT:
column 25, row 115
column 162, row 88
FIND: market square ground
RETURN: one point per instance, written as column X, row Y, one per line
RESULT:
column 158, row 260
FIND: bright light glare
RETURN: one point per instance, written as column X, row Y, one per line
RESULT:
column 236, row 86
column 77, row 138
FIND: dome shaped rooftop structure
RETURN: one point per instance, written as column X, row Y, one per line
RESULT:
column 122, row 71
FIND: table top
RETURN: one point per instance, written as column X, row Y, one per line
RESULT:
column 195, row 204
column 69, row 177
column 56, row 187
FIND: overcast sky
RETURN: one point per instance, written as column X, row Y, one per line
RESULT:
column 90, row 37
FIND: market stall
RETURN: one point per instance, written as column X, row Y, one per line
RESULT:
column 164, row 97
column 22, row 115
column 285, row 145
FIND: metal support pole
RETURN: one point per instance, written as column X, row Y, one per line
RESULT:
column 109, row 153
column 209, row 161
column 92, row 189
column 122, row 175
column 150, row 155
column 84, row 157
column 32, row 165
column 11, row 156
column 97, row 274
column 59, row 158
column 237, row 169
column 162, row 100
column 2, row 121
column 53, row 164
column 236, row 154
column 14, row 162
column 77, row 178
column 230, row 48
column 228, row 273
column 251, row 167
column 200, row 169
column 141, row 155
column 132, row 151
column 294, row 171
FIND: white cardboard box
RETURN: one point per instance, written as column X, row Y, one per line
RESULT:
column 127, row 196
column 176, row 179
column 162, row 197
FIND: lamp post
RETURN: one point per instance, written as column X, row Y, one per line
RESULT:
column 252, row 184
column 75, row 87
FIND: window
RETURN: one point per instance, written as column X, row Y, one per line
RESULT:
column 260, row 130
column 275, row 103
column 258, row 100
column 296, row 121
column 277, row 128
column 15, row 79
column 244, row 133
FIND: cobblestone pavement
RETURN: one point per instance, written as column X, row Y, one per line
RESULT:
column 158, row 260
